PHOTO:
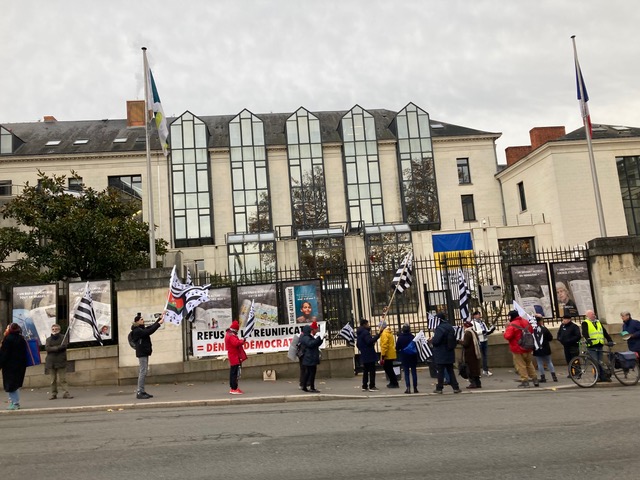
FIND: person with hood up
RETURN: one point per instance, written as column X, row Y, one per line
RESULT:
column 235, row 354
column 472, row 354
column 408, row 357
column 13, row 363
column 522, row 359
column 444, row 353
column 311, row 356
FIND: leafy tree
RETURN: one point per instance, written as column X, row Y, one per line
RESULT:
column 60, row 234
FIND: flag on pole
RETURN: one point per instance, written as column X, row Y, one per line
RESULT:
column 85, row 313
column 464, row 295
column 156, row 111
column 583, row 96
column 459, row 331
column 183, row 299
column 402, row 279
column 251, row 321
column 424, row 350
column 348, row 334
column 537, row 339
column 432, row 322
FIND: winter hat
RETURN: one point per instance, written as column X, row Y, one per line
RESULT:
column 513, row 314
column 566, row 316
column 314, row 325
column 406, row 328
column 14, row 328
column 467, row 322
column 137, row 317
column 235, row 326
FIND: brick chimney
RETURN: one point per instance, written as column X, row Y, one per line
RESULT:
column 135, row 113
column 514, row 154
column 50, row 118
column 541, row 135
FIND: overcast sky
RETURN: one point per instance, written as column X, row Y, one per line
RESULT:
column 494, row 65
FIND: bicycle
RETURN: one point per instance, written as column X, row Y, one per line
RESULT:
column 584, row 371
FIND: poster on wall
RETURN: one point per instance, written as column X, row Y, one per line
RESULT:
column 35, row 309
column 573, row 288
column 101, row 297
column 265, row 304
column 215, row 313
column 303, row 301
column 531, row 288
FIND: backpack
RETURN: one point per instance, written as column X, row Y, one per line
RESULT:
column 132, row 343
column 526, row 341
column 410, row 349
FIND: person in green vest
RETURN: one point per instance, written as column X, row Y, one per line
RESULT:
column 595, row 335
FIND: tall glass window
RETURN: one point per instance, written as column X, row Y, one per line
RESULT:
column 468, row 208
column 129, row 188
column 249, row 174
column 522, row 196
column 306, row 171
column 190, row 182
column 362, row 168
column 386, row 247
column 464, row 174
column 252, row 257
column 322, row 256
column 629, row 178
column 417, row 170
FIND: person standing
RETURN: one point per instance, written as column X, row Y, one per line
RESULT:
column 141, row 336
column 311, row 356
column 543, row 354
column 406, row 348
column 235, row 354
column 13, row 363
column 368, row 357
column 480, row 327
column 472, row 356
column 522, row 358
column 631, row 327
column 595, row 334
column 444, row 353
column 56, row 362
column 388, row 354
column 569, row 336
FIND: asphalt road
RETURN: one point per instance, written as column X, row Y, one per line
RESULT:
column 535, row 434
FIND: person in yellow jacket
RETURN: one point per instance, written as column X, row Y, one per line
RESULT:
column 388, row 354
column 595, row 335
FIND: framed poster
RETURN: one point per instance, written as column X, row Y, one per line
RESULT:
column 101, row 297
column 531, row 288
column 265, row 304
column 35, row 309
column 211, row 321
column 572, row 286
column 303, row 301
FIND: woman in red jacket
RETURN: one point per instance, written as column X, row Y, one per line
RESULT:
column 236, row 355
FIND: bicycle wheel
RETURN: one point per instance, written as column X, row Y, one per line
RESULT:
column 626, row 377
column 583, row 371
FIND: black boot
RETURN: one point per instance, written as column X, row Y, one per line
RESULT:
column 543, row 379
column 553, row 375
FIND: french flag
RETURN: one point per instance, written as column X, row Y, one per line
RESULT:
column 583, row 96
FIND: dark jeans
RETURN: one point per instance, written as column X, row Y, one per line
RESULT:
column 595, row 351
column 388, row 369
column 570, row 351
column 302, row 373
column 369, row 375
column 484, row 350
column 309, row 380
column 452, row 376
column 233, row 376
column 414, row 374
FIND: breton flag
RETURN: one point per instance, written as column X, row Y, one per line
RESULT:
column 459, row 332
column 402, row 279
column 183, row 299
column 464, row 295
column 85, row 313
column 348, row 334
column 583, row 96
column 433, row 322
column 155, row 110
column 424, row 350
column 537, row 333
column 251, row 322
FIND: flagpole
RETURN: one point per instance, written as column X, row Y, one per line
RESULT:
column 152, row 237
column 587, row 133
column 73, row 318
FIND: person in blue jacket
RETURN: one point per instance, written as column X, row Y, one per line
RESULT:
column 631, row 327
column 368, row 357
column 444, row 353
column 408, row 357
column 310, row 343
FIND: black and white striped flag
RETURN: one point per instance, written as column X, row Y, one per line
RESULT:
column 464, row 296
column 402, row 279
column 459, row 331
column 348, row 334
column 85, row 313
column 424, row 350
column 433, row 322
column 251, row 322
column 537, row 338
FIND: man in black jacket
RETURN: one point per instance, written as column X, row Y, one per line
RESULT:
column 142, row 339
column 569, row 335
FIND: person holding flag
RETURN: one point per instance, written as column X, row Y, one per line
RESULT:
column 310, row 344
column 141, row 337
column 236, row 355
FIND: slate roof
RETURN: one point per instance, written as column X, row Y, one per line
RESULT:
column 102, row 133
column 602, row 132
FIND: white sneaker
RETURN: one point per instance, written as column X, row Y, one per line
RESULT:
column 487, row 373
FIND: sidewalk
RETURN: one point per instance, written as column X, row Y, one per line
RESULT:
column 116, row 398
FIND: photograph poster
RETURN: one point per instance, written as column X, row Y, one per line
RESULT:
column 215, row 313
column 303, row 301
column 573, row 288
column 265, row 304
column 101, row 297
column 531, row 288
column 35, row 309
